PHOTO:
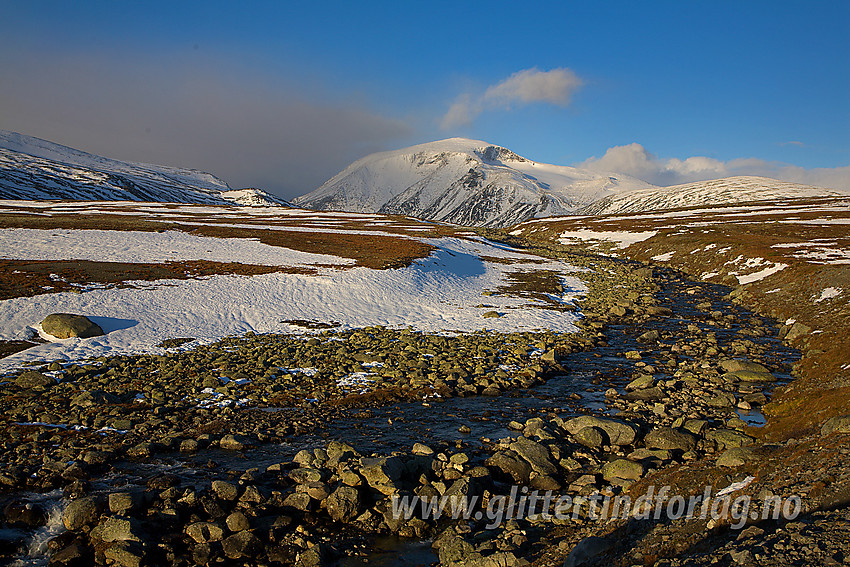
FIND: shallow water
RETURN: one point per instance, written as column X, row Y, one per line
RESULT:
column 394, row 552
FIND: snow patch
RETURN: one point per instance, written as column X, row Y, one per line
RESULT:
column 623, row 239
column 829, row 293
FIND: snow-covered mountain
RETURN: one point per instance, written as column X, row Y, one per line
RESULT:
column 32, row 168
column 253, row 197
column 701, row 193
column 467, row 182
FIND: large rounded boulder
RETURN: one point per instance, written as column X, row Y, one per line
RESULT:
column 66, row 325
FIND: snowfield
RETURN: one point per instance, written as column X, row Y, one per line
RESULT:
column 437, row 294
column 148, row 247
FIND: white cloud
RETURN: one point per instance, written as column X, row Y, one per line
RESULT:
column 523, row 87
column 633, row 159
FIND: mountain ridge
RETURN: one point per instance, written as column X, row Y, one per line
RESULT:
column 475, row 183
column 33, row 168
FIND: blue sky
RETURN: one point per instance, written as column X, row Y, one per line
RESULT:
column 283, row 95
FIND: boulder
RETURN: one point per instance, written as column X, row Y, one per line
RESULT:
column 203, row 532
column 383, row 473
column 120, row 529
column 535, row 455
column 641, row 382
column 840, row 424
column 649, row 336
column 592, row 437
column 33, row 379
column 618, row 432
column 722, row 400
column 587, row 550
column 125, row 554
column 623, row 469
column 670, row 439
column 510, row 464
column 80, row 512
column 66, row 325
column 749, row 376
column 730, row 365
column 797, row 330
column 225, row 490
column 343, row 504
column 241, row 545
column 735, row 457
column 234, row 443
column 305, row 475
column 645, row 395
column 729, row 438
column 237, row 522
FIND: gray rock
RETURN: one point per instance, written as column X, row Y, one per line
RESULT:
column 646, row 395
column 592, row 437
column 695, row 426
column 619, row 432
column 622, row 469
column 33, row 379
column 68, row 556
column 749, row 376
column 641, row 382
column 242, row 545
column 237, row 522
column 298, row 500
column 382, row 474
column 80, row 512
column 234, row 443
column 421, row 449
column 736, row 457
column 305, row 475
column 587, row 550
column 120, row 502
column 670, row 440
column 840, row 424
column 649, row 336
column 730, row 365
column 797, row 330
column 313, row 556
column 338, row 452
column 225, row 490
column 722, row 400
column 66, row 325
column 120, row 529
column 512, row 465
column 203, row 532
column 344, row 504
column 534, row 454
column 125, row 554
column 729, row 438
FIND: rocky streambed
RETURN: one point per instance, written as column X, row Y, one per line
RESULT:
column 268, row 450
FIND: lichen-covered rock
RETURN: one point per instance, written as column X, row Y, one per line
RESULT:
column 67, row 325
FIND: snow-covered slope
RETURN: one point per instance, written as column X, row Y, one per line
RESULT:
column 253, row 197
column 31, row 168
column 463, row 181
column 715, row 192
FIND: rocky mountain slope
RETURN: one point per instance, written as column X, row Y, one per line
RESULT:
column 31, row 168
column 467, row 182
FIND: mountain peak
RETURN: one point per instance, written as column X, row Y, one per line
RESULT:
column 463, row 181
